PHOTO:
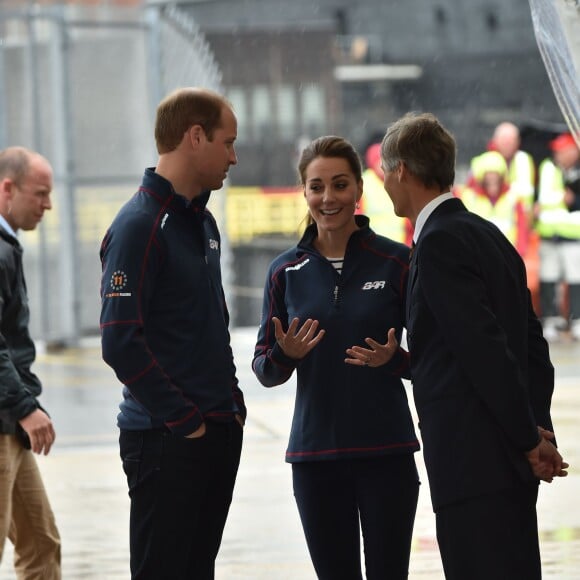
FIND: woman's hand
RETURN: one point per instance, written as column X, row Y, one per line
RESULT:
column 297, row 342
column 377, row 355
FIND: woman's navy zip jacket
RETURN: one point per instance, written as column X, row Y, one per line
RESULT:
column 341, row 410
column 164, row 321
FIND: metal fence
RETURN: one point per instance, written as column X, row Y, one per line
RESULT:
column 80, row 85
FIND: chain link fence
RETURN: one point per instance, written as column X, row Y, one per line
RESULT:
column 80, row 85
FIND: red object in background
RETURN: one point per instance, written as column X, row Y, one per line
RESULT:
column 562, row 142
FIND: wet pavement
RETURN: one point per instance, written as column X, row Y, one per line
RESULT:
column 263, row 538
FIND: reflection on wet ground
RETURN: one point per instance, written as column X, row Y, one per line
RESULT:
column 263, row 539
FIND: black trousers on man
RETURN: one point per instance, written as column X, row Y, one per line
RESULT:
column 492, row 536
column 180, row 491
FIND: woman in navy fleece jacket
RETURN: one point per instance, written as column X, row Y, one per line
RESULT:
column 334, row 312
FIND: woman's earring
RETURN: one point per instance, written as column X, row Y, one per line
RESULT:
column 357, row 205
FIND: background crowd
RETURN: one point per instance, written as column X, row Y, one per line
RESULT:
column 535, row 204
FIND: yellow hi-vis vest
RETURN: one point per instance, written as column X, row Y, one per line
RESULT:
column 503, row 214
column 378, row 207
column 521, row 177
column 554, row 218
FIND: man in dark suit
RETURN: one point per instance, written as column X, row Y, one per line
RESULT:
column 482, row 376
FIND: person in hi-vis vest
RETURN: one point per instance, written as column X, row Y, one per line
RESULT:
column 492, row 197
column 521, row 172
column 558, row 225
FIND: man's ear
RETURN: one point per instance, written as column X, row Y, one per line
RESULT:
column 196, row 134
column 402, row 171
column 7, row 188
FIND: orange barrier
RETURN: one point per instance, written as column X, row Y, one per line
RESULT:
column 532, row 262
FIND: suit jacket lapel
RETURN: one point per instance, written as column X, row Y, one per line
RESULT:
column 411, row 282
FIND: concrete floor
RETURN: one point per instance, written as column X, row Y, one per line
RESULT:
column 263, row 539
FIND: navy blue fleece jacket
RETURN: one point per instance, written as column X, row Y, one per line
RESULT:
column 341, row 410
column 164, row 321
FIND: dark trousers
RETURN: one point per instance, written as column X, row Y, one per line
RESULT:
column 338, row 499
column 180, row 491
column 493, row 536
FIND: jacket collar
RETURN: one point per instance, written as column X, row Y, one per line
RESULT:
column 7, row 227
column 449, row 206
column 426, row 212
column 311, row 232
column 8, row 236
column 162, row 188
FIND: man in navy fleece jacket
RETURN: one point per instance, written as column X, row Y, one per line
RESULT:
column 164, row 325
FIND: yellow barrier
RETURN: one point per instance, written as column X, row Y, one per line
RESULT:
column 258, row 211
column 250, row 212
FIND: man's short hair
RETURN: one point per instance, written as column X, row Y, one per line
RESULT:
column 426, row 148
column 15, row 163
column 184, row 108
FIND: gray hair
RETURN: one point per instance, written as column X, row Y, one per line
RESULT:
column 426, row 148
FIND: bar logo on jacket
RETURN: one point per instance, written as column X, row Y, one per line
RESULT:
column 377, row 285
